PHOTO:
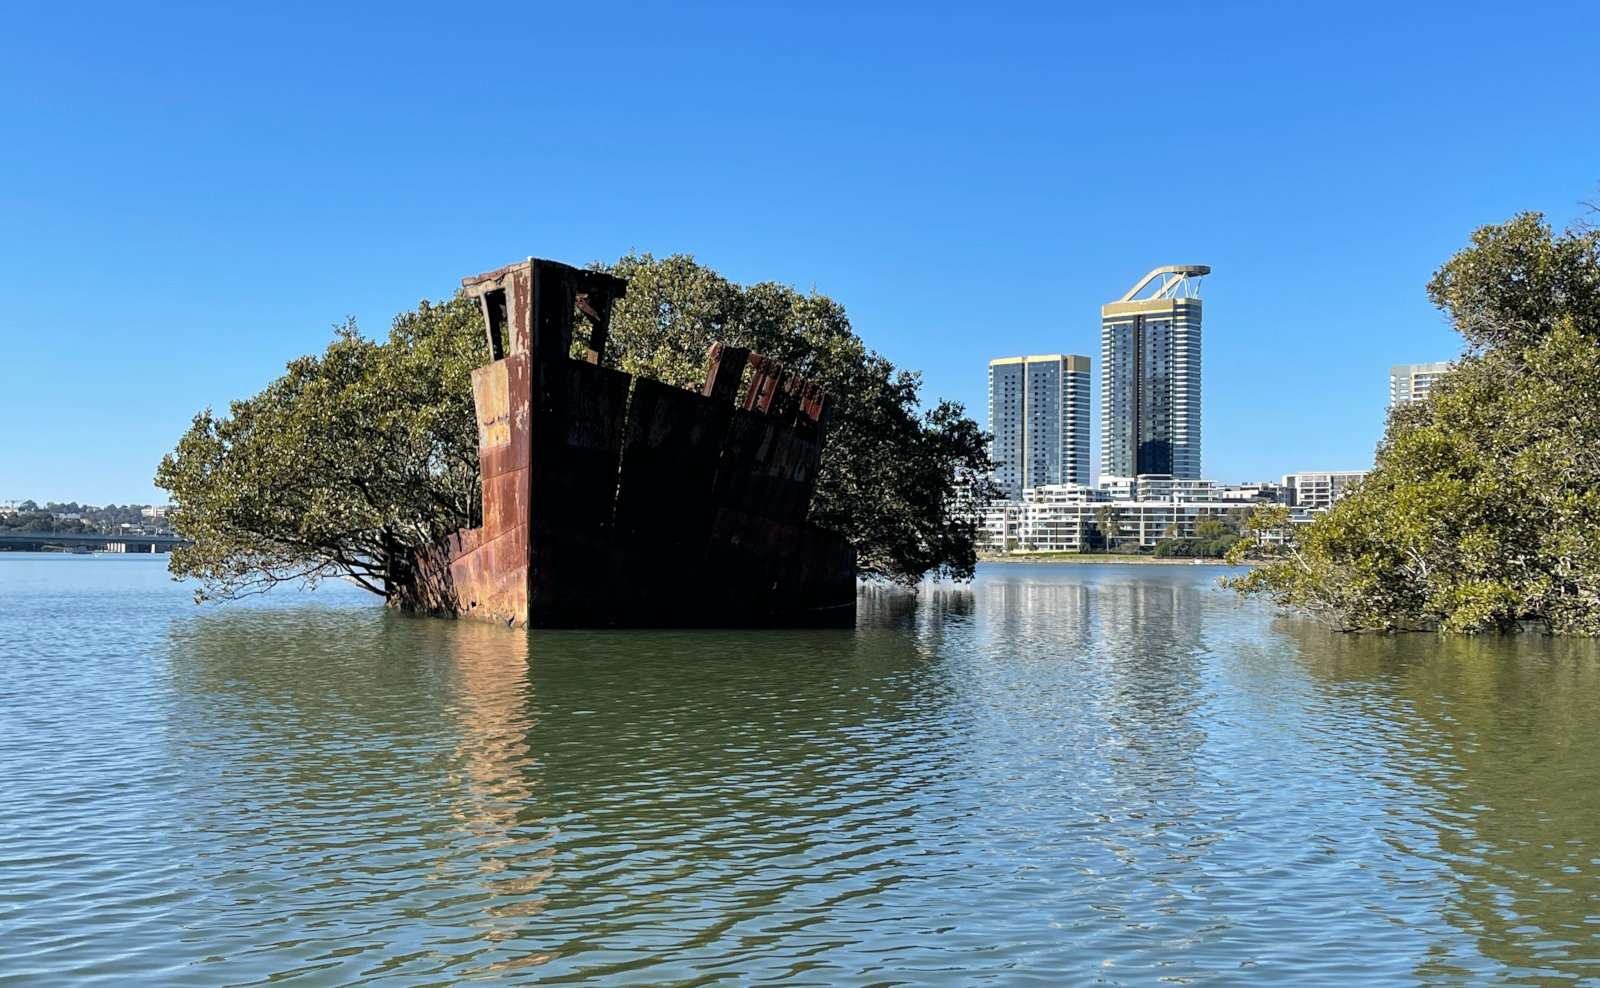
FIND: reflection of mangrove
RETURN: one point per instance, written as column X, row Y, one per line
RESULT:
column 1492, row 741
column 928, row 606
column 350, row 753
column 510, row 782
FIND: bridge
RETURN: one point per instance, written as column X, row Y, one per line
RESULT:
column 131, row 542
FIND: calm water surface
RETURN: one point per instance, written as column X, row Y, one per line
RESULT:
column 1060, row 775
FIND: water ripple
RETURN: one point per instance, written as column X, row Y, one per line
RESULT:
column 1059, row 775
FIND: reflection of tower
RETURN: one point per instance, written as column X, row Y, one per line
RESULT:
column 1151, row 633
column 1019, row 610
column 1150, row 376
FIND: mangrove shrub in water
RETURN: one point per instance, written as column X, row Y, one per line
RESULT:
column 1483, row 510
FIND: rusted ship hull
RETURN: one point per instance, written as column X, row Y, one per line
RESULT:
column 610, row 500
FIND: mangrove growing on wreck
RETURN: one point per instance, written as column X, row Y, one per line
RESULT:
column 358, row 457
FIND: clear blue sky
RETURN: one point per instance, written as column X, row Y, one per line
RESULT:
column 190, row 198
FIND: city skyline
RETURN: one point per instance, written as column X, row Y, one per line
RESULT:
column 1141, row 333
column 259, row 198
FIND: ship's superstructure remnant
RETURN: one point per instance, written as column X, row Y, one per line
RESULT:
column 615, row 500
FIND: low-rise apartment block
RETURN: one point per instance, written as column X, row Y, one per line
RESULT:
column 1131, row 513
column 1316, row 490
column 1138, row 513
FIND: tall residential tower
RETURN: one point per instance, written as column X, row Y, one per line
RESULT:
column 1150, row 376
column 1039, row 414
column 1411, row 382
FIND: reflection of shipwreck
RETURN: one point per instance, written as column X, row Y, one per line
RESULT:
column 610, row 500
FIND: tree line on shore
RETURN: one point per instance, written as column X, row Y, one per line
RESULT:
column 70, row 517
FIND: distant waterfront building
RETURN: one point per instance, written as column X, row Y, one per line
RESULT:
column 1000, row 526
column 1254, row 491
column 1316, row 490
column 1411, row 382
column 1146, row 510
column 1150, row 376
column 1039, row 414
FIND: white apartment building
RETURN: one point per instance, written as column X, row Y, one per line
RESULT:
column 1411, row 382
column 1254, row 491
column 1316, row 490
column 1000, row 526
column 1146, row 510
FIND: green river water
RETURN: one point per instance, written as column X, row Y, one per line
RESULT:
column 1058, row 775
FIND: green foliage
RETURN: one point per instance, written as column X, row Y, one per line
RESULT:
column 30, row 517
column 355, row 459
column 902, row 484
column 42, row 521
column 1213, row 538
column 1483, row 511
column 343, row 466
column 1509, row 289
column 1108, row 526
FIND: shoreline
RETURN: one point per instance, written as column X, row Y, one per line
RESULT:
column 1094, row 558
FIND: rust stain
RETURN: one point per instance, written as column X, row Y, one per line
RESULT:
column 490, row 396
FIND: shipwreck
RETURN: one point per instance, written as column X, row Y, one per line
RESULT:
column 616, row 500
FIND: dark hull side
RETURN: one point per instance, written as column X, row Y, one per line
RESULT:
column 614, row 501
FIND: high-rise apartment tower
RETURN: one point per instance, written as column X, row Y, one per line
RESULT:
column 1410, row 382
column 1039, row 414
column 1150, row 376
